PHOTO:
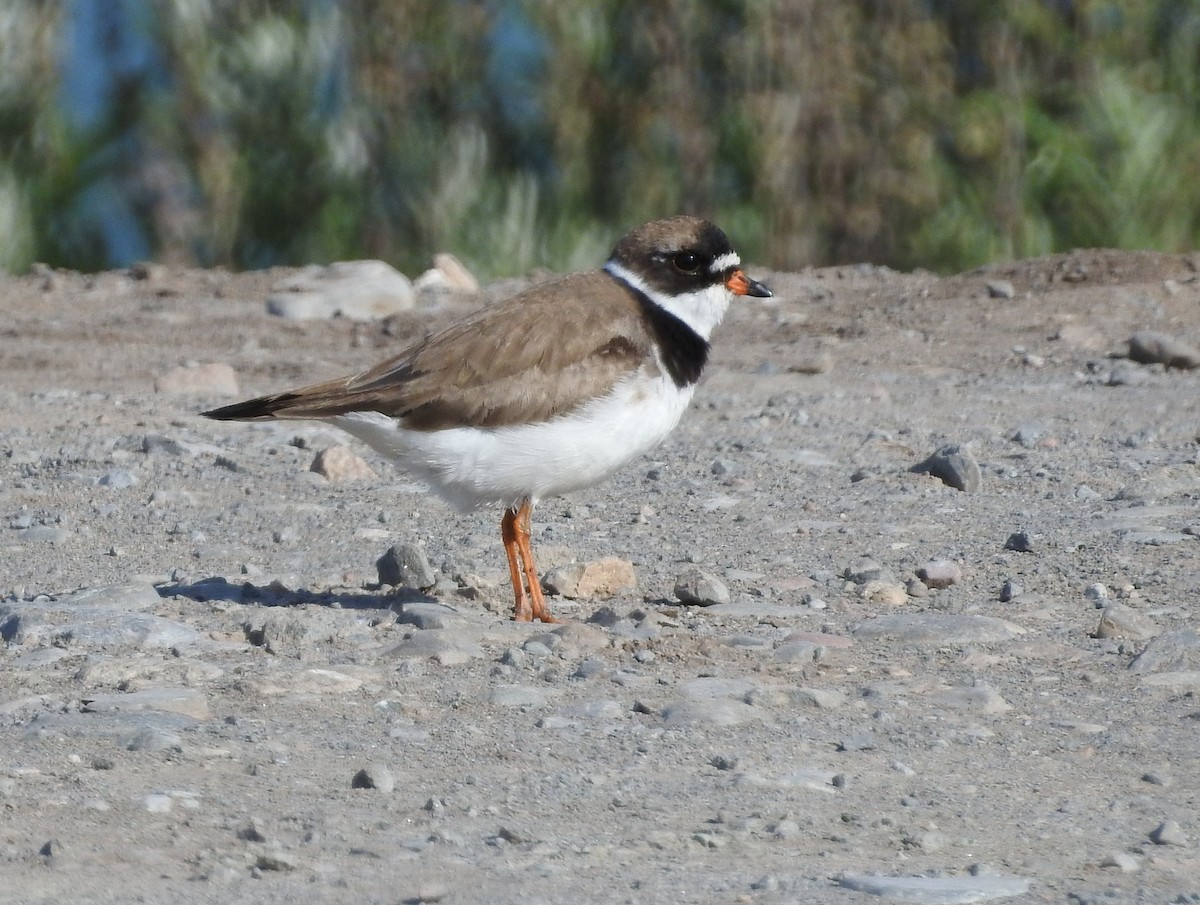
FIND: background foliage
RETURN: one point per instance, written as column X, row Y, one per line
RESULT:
column 932, row 133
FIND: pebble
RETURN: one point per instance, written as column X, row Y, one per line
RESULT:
column 447, row 272
column 1000, row 289
column 215, row 379
column 341, row 464
column 955, row 466
column 1010, row 591
column 936, row 890
column 605, row 578
column 1122, row 861
column 922, row 629
column 1123, row 622
column 1150, row 347
column 1168, row 833
column 406, row 565
column 1019, row 542
column 119, row 479
column 940, row 573
column 865, row 570
column 357, row 290
column 1097, row 592
column 376, row 776
column 700, row 587
column 885, row 593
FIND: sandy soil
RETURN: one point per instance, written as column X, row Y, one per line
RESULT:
column 192, row 725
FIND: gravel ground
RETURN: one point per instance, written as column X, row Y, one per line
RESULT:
column 880, row 688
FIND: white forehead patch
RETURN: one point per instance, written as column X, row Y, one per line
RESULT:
column 724, row 262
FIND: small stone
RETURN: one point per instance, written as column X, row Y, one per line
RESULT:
column 215, row 379
column 606, row 577
column 563, row 580
column 940, row 573
column 865, row 570
column 447, row 272
column 1019, row 542
column 1168, row 833
column 119, row 479
column 340, row 464
column 1000, row 289
column 1098, row 592
column 357, row 290
column 1149, row 347
column 700, row 587
column 858, row 741
column 374, row 776
column 954, row 466
column 1010, row 591
column 885, row 593
column 1122, row 861
column 407, row 566
column 1120, row 621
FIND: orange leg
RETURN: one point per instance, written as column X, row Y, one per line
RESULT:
column 514, row 529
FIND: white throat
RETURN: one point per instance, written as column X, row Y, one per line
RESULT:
column 701, row 310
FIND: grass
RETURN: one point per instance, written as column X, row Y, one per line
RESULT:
column 531, row 134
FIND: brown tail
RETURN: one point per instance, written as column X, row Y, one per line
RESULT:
column 257, row 409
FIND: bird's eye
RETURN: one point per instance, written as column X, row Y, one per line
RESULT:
column 688, row 261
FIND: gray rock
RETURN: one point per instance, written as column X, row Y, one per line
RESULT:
column 1000, row 289
column 1168, row 833
column 953, row 465
column 1010, row 591
column 1120, row 621
column 186, row 701
column 406, row 565
column 119, row 479
column 1122, row 861
column 522, row 696
column 428, row 615
column 923, row 629
column 717, row 712
column 1150, row 347
column 1019, row 542
column 701, row 587
column 936, row 890
column 857, row 741
column 446, row 647
column 374, row 776
column 975, row 698
column 940, row 573
column 358, row 290
column 1172, row 651
column 865, row 570
column 564, row 580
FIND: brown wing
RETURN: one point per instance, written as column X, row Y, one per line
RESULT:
column 539, row 354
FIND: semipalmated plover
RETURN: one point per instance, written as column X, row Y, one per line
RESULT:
column 547, row 392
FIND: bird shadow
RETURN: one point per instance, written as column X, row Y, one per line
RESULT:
column 278, row 594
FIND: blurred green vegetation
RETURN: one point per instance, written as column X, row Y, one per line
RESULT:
column 915, row 133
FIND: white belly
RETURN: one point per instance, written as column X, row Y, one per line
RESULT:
column 471, row 467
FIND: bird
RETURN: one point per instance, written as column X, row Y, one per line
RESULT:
column 545, row 393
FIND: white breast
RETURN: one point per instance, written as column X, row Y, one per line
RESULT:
column 470, row 467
